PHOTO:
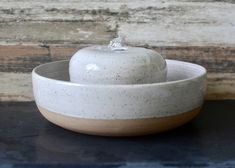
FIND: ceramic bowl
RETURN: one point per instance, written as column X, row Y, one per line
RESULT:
column 119, row 110
column 102, row 65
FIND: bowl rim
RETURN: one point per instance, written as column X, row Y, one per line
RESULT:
column 200, row 74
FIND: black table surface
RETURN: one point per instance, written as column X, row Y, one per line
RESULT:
column 28, row 140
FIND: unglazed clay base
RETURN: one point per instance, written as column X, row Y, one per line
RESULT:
column 119, row 127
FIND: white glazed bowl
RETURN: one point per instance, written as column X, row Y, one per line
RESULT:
column 119, row 110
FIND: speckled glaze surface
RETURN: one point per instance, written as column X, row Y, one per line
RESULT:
column 131, row 65
column 183, row 92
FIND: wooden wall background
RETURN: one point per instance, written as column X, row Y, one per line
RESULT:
column 35, row 32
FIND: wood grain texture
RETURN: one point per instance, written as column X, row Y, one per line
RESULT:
column 214, row 59
column 55, row 32
column 22, row 58
column 156, row 23
column 15, row 87
column 36, row 32
column 220, row 86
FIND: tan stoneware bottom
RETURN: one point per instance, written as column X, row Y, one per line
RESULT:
column 119, row 127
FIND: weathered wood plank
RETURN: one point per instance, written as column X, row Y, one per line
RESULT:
column 55, row 32
column 18, row 87
column 15, row 87
column 102, row 10
column 179, row 34
column 221, row 86
column 156, row 23
column 17, row 58
column 214, row 59
column 20, row 58
column 64, row 52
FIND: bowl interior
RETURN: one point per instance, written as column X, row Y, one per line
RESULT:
column 177, row 70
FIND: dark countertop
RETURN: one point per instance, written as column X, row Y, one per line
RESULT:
column 28, row 140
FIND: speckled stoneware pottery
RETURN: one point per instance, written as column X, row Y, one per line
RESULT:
column 119, row 109
column 115, row 64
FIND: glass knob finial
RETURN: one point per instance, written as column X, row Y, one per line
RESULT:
column 116, row 44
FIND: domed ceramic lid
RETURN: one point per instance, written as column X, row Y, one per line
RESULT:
column 117, row 64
